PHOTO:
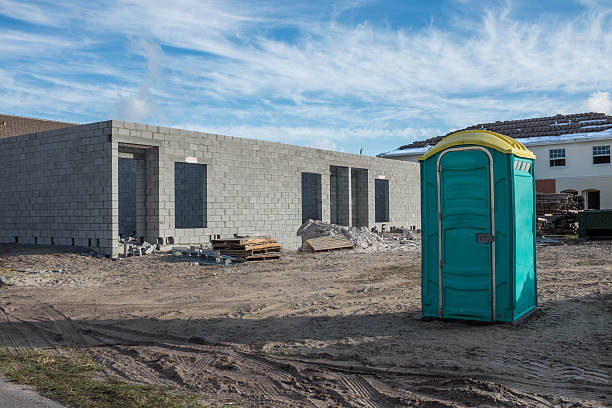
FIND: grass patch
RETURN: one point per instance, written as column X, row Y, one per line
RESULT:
column 77, row 382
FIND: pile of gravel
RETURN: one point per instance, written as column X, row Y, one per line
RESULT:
column 362, row 238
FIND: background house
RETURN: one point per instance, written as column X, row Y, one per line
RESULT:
column 573, row 153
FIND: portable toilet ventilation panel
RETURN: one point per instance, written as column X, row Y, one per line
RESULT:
column 478, row 222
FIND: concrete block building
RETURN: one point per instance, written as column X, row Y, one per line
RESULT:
column 87, row 185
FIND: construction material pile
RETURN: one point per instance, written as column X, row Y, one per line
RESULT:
column 133, row 247
column 248, row 248
column 362, row 238
column 557, row 214
column 202, row 256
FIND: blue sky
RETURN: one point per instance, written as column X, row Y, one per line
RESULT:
column 341, row 75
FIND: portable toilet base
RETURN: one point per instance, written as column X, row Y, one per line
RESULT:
column 478, row 229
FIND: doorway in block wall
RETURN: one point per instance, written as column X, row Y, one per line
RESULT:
column 339, row 195
column 132, row 191
column 359, row 197
column 312, row 197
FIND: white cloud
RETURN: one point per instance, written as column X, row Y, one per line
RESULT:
column 600, row 102
column 142, row 105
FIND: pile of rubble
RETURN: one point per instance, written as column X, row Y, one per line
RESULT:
column 133, row 247
column 557, row 214
column 362, row 238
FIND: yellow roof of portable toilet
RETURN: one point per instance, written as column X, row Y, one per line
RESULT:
column 486, row 138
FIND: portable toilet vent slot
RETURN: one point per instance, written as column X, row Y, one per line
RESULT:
column 478, row 218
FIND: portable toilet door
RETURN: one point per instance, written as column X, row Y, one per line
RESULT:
column 471, row 228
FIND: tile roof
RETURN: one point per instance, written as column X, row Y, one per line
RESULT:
column 536, row 127
column 18, row 125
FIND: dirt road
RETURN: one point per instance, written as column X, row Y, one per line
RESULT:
column 332, row 329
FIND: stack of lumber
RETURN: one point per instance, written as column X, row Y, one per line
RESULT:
column 248, row 248
column 557, row 214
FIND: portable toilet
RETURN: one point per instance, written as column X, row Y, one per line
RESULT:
column 478, row 228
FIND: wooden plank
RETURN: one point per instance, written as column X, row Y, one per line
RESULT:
column 270, row 245
column 243, row 253
column 242, row 241
column 263, row 257
column 328, row 243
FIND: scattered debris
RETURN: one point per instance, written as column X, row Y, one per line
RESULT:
column 203, row 256
column 329, row 243
column 91, row 253
column 2, row 282
column 402, row 230
column 548, row 241
column 557, row 214
column 32, row 271
column 132, row 247
column 248, row 248
column 362, row 238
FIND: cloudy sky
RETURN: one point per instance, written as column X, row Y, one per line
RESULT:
column 340, row 75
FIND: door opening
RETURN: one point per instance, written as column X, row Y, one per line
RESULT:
column 132, row 191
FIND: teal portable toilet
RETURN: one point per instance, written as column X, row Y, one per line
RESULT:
column 478, row 222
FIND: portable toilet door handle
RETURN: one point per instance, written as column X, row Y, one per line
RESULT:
column 492, row 236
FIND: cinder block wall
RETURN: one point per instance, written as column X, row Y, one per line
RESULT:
column 253, row 187
column 56, row 188
column 62, row 186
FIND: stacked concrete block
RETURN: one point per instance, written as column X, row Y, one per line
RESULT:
column 56, row 188
column 63, row 187
column 255, row 187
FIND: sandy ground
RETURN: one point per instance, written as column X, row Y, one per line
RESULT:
column 315, row 330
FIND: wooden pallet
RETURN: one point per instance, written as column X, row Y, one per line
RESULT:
column 329, row 243
column 260, row 257
column 248, row 248
column 249, row 252
column 243, row 241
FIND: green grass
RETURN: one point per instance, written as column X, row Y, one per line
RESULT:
column 80, row 382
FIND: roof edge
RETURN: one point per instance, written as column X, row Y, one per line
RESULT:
column 497, row 141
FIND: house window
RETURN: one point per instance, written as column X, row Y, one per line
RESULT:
column 557, row 157
column 601, row 154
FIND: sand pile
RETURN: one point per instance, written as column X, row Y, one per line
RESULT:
column 362, row 238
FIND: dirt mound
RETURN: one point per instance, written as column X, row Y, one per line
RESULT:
column 362, row 238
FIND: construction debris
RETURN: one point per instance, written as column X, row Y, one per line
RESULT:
column 248, row 248
column 362, row 238
column 91, row 253
column 329, row 243
column 2, row 282
column 200, row 256
column 132, row 247
column 557, row 214
column 31, row 271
